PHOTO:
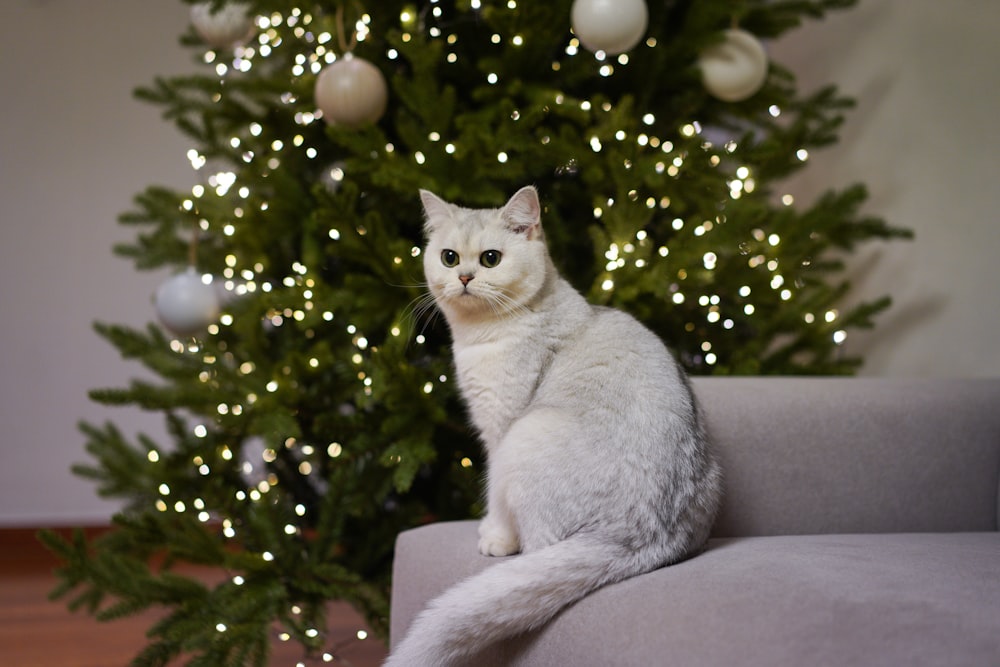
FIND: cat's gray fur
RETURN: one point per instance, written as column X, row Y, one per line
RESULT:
column 598, row 465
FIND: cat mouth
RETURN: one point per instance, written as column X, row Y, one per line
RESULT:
column 465, row 297
column 463, row 290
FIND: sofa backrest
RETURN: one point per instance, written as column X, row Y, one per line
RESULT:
column 855, row 455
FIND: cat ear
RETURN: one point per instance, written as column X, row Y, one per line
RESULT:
column 435, row 210
column 523, row 212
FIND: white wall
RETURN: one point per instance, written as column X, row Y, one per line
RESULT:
column 75, row 148
column 924, row 140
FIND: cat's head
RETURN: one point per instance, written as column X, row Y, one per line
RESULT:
column 484, row 262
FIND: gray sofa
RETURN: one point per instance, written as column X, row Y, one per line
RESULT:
column 860, row 527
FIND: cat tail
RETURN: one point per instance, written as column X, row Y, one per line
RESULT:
column 512, row 597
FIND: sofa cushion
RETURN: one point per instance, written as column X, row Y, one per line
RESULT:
column 854, row 455
column 876, row 599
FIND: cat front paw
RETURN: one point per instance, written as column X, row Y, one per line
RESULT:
column 496, row 539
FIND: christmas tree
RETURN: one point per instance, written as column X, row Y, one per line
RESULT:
column 306, row 387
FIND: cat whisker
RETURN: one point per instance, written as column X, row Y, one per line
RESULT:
column 422, row 311
column 493, row 299
column 503, row 304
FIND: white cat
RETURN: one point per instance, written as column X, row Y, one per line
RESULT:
column 598, row 465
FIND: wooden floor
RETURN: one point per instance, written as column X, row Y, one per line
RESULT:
column 35, row 632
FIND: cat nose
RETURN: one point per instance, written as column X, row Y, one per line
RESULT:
column 466, row 278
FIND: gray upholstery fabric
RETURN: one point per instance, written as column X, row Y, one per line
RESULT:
column 875, row 599
column 833, row 455
column 859, row 528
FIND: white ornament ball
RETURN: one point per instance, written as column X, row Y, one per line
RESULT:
column 351, row 92
column 185, row 304
column 734, row 69
column 612, row 26
column 231, row 24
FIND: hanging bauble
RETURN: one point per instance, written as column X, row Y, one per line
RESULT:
column 231, row 24
column 612, row 26
column 735, row 68
column 351, row 92
column 185, row 304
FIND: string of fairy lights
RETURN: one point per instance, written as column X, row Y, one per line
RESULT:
column 308, row 45
column 270, row 38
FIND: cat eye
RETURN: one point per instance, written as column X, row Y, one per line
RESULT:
column 449, row 258
column 490, row 258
